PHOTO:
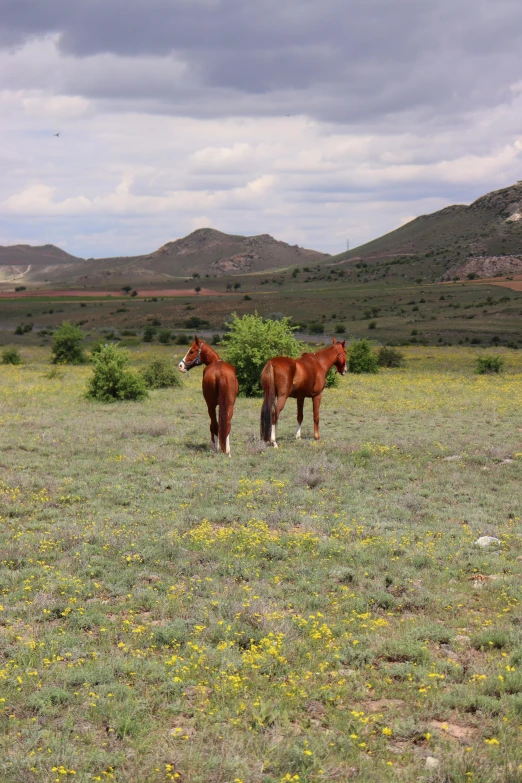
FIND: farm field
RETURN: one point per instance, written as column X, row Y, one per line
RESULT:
column 320, row 612
column 475, row 311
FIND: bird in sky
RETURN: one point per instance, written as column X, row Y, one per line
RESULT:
column 56, row 134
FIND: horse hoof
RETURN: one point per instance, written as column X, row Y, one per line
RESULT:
column 274, row 444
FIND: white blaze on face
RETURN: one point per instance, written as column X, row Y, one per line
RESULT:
column 182, row 365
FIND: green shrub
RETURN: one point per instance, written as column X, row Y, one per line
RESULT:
column 149, row 333
column 340, row 328
column 160, row 373
column 251, row 342
column 164, row 336
column 11, row 356
column 314, row 327
column 67, row 345
column 487, row 365
column 112, row 380
column 19, row 329
column 332, row 378
column 182, row 339
column 362, row 358
column 372, row 325
column 390, row 357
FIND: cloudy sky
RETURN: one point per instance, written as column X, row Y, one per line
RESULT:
column 312, row 120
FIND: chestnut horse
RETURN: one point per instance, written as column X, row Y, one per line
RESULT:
column 283, row 377
column 220, row 387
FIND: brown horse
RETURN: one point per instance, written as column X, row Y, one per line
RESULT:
column 283, row 377
column 220, row 387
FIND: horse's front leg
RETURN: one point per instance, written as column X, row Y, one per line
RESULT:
column 280, row 404
column 300, row 414
column 317, row 405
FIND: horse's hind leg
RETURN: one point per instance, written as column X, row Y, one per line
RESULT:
column 214, row 429
column 300, row 408
column 280, row 404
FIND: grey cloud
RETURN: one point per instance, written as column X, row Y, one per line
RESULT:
column 344, row 61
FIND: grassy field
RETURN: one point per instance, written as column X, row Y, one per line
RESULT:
column 315, row 613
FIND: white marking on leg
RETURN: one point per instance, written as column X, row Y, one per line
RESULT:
column 298, row 433
column 273, row 437
column 227, row 450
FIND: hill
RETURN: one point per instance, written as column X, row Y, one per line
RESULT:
column 442, row 243
column 205, row 252
column 23, row 262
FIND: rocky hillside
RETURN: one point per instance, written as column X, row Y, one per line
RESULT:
column 23, row 262
column 433, row 246
column 204, row 252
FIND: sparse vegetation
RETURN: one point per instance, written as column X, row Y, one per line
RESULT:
column 184, row 613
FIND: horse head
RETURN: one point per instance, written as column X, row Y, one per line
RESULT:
column 340, row 360
column 193, row 356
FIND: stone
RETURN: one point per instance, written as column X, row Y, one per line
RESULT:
column 432, row 762
column 487, row 540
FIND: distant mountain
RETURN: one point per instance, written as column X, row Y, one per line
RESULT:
column 19, row 263
column 204, row 252
column 442, row 243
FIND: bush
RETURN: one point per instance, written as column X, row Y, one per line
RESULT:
column 314, row 327
column 161, row 373
column 251, row 342
column 390, row 357
column 216, row 339
column 11, row 356
column 362, row 358
column 340, row 329
column 487, row 365
column 67, row 345
column 164, row 336
column 112, row 380
column 372, row 325
column 182, row 339
column 332, row 378
column 19, row 329
column 195, row 322
column 149, row 333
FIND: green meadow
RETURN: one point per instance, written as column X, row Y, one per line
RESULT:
column 320, row 612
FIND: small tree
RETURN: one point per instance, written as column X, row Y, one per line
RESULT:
column 126, row 288
column 164, row 336
column 251, row 342
column 488, row 365
column 112, row 379
column 362, row 358
column 67, row 345
column 160, row 373
column 236, row 286
column 11, row 356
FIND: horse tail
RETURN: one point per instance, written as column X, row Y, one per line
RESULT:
column 269, row 391
column 223, row 402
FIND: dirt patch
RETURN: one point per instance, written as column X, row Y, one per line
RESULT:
column 378, row 705
column 166, row 292
column 454, row 730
